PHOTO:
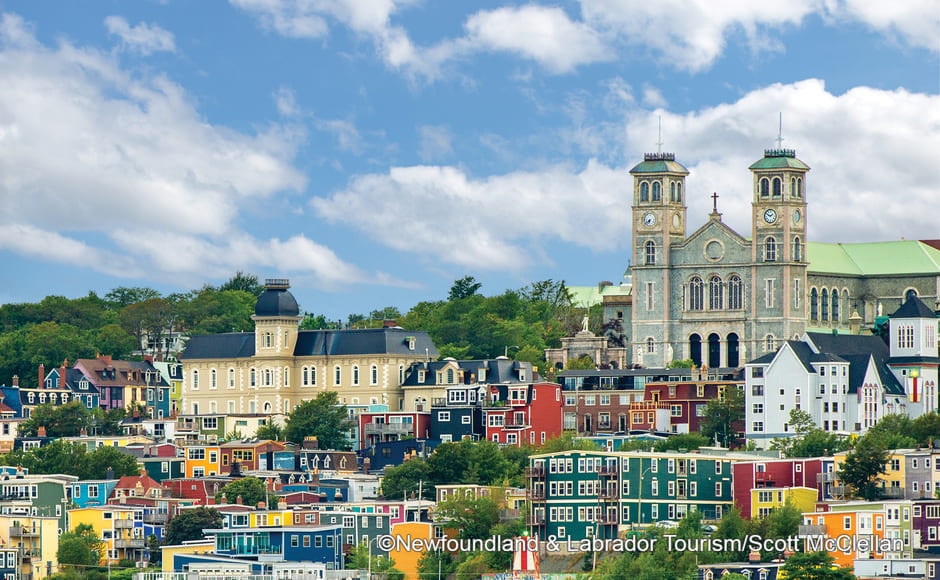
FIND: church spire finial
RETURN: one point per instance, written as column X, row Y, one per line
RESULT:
column 659, row 143
column 780, row 133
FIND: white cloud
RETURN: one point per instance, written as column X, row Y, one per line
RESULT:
column 544, row 34
column 435, row 143
column 864, row 147
column 143, row 38
column 347, row 136
column 120, row 172
column 493, row 223
column 915, row 21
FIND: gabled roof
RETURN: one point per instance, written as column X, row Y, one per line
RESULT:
column 390, row 340
column 858, row 351
column 498, row 370
column 914, row 308
column 716, row 226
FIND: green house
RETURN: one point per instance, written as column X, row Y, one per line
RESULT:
column 582, row 494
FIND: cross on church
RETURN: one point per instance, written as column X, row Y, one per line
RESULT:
column 715, row 202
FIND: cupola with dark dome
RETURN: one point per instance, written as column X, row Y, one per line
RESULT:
column 276, row 300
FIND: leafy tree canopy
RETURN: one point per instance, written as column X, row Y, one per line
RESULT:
column 59, row 420
column 864, row 466
column 80, row 548
column 815, row 566
column 251, row 490
column 190, row 523
column 73, row 459
column 322, row 417
column 723, row 417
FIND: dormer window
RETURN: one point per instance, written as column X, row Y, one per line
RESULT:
column 411, row 341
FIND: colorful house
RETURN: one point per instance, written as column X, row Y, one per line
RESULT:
column 774, row 473
column 36, row 540
column 120, row 528
column 522, row 414
column 92, row 492
column 321, row 544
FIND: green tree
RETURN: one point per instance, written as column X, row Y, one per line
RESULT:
column 893, row 432
column 687, row 441
column 251, row 490
column 123, row 296
column 685, row 363
column 80, row 548
column 463, row 288
column 583, row 362
column 863, row 467
column 112, row 339
column 926, row 429
column 150, row 319
column 358, row 559
column 322, row 417
column 69, row 458
column 154, row 550
column 815, row 566
column 95, row 465
column 190, row 523
column 437, row 563
column 473, row 517
column 59, row 420
column 316, row 322
column 723, row 416
column 401, row 481
column 243, row 282
column 271, row 431
column 808, row 440
column 568, row 442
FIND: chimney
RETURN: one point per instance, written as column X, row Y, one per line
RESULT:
column 41, row 432
column 106, row 359
column 16, row 381
column 262, row 505
column 42, row 375
column 855, row 322
column 753, row 557
column 238, row 499
column 148, row 358
column 64, row 366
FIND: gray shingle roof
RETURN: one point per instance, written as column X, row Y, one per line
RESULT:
column 914, row 308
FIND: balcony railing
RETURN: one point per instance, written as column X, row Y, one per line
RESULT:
column 608, row 470
column 23, row 532
column 608, row 493
column 812, row 530
column 156, row 518
column 892, row 492
column 131, row 543
column 535, row 472
column 764, row 477
column 124, row 524
column 537, row 494
column 389, row 428
column 608, row 519
column 826, row 477
column 26, row 556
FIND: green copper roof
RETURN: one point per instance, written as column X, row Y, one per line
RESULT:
column 779, row 159
column 587, row 296
column 659, row 163
column 873, row 258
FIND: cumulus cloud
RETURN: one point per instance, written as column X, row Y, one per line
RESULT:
column 143, row 38
column 864, row 146
column 119, row 172
column 684, row 34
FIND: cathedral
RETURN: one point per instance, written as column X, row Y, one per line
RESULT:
column 720, row 299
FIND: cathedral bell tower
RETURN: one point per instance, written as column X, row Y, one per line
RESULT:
column 659, row 222
column 778, row 245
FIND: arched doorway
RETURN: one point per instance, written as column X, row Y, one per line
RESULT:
column 714, row 351
column 733, row 354
column 695, row 349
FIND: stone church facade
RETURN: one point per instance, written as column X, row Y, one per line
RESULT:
column 721, row 299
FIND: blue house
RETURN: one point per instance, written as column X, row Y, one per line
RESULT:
column 92, row 492
column 323, row 544
column 77, row 384
column 391, row 453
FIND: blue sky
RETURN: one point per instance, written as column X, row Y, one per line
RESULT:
column 373, row 151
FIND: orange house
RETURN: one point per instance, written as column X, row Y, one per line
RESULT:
column 849, row 535
column 203, row 460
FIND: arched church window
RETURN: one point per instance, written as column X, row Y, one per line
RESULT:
column 644, row 191
column 672, row 191
column 764, row 187
column 799, row 187
column 735, row 293
column 797, row 249
column 650, row 253
column 770, row 343
column 657, row 191
column 778, row 186
column 814, row 304
column 824, row 303
column 770, row 250
column 911, row 293
column 715, row 293
column 696, row 293
column 835, row 305
column 679, row 192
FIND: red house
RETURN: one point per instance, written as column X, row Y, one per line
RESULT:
column 385, row 426
column 772, row 473
column 523, row 413
column 687, row 400
column 201, row 490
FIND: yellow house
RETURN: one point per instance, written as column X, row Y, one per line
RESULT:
column 407, row 560
column 766, row 499
column 121, row 529
column 37, row 539
column 271, row 518
column 195, row 547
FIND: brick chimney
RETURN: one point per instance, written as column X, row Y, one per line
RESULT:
column 42, row 375
column 65, row 365
column 41, row 432
column 105, row 358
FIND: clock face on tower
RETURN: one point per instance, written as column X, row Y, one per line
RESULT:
column 770, row 216
column 649, row 220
